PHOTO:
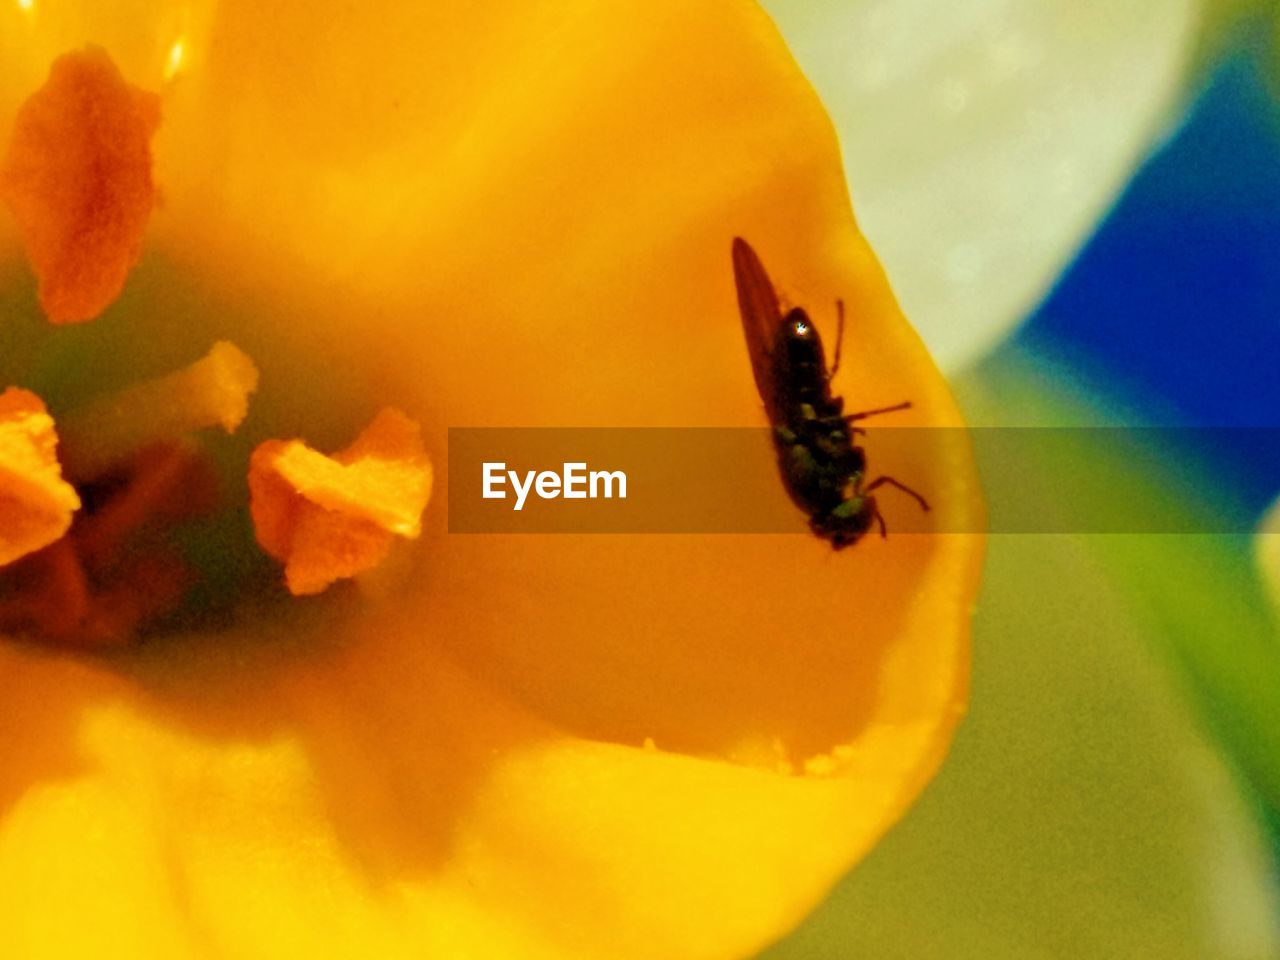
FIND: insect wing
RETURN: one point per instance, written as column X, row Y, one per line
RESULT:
column 761, row 321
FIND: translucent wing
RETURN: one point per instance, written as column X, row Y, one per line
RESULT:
column 761, row 321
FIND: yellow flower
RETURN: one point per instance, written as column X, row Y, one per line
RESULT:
column 547, row 746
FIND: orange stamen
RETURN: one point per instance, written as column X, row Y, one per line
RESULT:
column 147, row 587
column 35, row 502
column 77, row 177
column 46, row 593
column 113, row 572
column 330, row 518
column 212, row 392
column 167, row 483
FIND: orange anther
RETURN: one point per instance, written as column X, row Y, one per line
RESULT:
column 78, row 179
column 329, row 518
column 36, row 504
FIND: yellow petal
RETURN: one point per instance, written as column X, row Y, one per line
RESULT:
column 510, row 215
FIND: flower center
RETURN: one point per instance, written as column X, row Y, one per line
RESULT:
column 133, row 504
column 106, row 502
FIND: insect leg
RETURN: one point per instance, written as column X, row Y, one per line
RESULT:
column 875, row 512
column 881, row 481
column 839, row 337
column 863, row 414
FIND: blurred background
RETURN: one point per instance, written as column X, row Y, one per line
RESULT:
column 1079, row 207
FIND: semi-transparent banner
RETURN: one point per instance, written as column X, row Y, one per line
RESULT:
column 727, row 480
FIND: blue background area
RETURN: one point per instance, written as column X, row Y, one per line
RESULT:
column 1175, row 302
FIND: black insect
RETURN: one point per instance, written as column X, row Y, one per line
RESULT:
column 822, row 468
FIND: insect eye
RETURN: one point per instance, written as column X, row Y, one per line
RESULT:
column 801, row 331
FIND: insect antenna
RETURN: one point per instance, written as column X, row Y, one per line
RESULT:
column 863, row 414
column 882, row 481
column 839, row 337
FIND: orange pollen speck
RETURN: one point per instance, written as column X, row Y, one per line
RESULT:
column 77, row 177
column 330, row 518
column 36, row 504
